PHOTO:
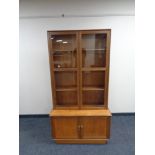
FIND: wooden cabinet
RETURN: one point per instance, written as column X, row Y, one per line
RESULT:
column 79, row 67
column 84, row 127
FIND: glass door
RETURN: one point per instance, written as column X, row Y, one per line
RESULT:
column 63, row 55
column 93, row 67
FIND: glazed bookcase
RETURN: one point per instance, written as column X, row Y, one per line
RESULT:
column 79, row 67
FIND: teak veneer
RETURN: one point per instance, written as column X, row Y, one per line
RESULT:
column 80, row 113
column 79, row 67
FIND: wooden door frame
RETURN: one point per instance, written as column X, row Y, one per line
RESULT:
column 108, row 33
column 52, row 71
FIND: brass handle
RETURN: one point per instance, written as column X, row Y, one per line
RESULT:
column 81, row 131
column 81, row 126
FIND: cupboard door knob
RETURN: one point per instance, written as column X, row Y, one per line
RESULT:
column 79, row 130
column 81, row 126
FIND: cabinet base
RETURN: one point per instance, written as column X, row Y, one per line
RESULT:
column 81, row 141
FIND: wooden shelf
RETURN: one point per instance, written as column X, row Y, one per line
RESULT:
column 95, row 52
column 92, row 88
column 94, row 69
column 63, row 52
column 67, row 89
column 102, row 49
column 65, row 69
column 71, row 50
column 92, row 107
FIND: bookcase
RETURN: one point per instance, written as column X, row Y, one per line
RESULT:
column 79, row 67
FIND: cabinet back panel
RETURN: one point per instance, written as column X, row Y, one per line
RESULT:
column 66, row 98
column 93, row 78
column 65, row 79
column 93, row 97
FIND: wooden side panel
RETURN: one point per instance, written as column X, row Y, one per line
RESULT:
column 107, row 68
column 65, row 127
column 95, row 127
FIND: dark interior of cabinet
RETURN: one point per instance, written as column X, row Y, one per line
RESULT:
column 93, row 97
column 65, row 79
column 66, row 98
column 93, row 79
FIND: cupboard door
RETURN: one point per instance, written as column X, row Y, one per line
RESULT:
column 94, row 51
column 95, row 127
column 65, row 127
column 63, row 52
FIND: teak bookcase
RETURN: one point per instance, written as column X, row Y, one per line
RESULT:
column 79, row 67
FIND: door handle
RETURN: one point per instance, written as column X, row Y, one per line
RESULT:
column 80, row 127
column 79, row 130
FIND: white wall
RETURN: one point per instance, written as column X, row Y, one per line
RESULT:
column 35, row 91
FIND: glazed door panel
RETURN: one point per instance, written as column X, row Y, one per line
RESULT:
column 93, row 46
column 63, row 52
column 79, row 62
column 93, row 68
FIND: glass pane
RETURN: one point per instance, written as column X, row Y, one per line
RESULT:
column 65, row 79
column 66, row 98
column 93, row 50
column 93, row 79
column 64, row 59
column 64, row 50
column 93, row 97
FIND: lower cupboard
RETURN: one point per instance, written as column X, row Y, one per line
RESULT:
column 81, row 129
